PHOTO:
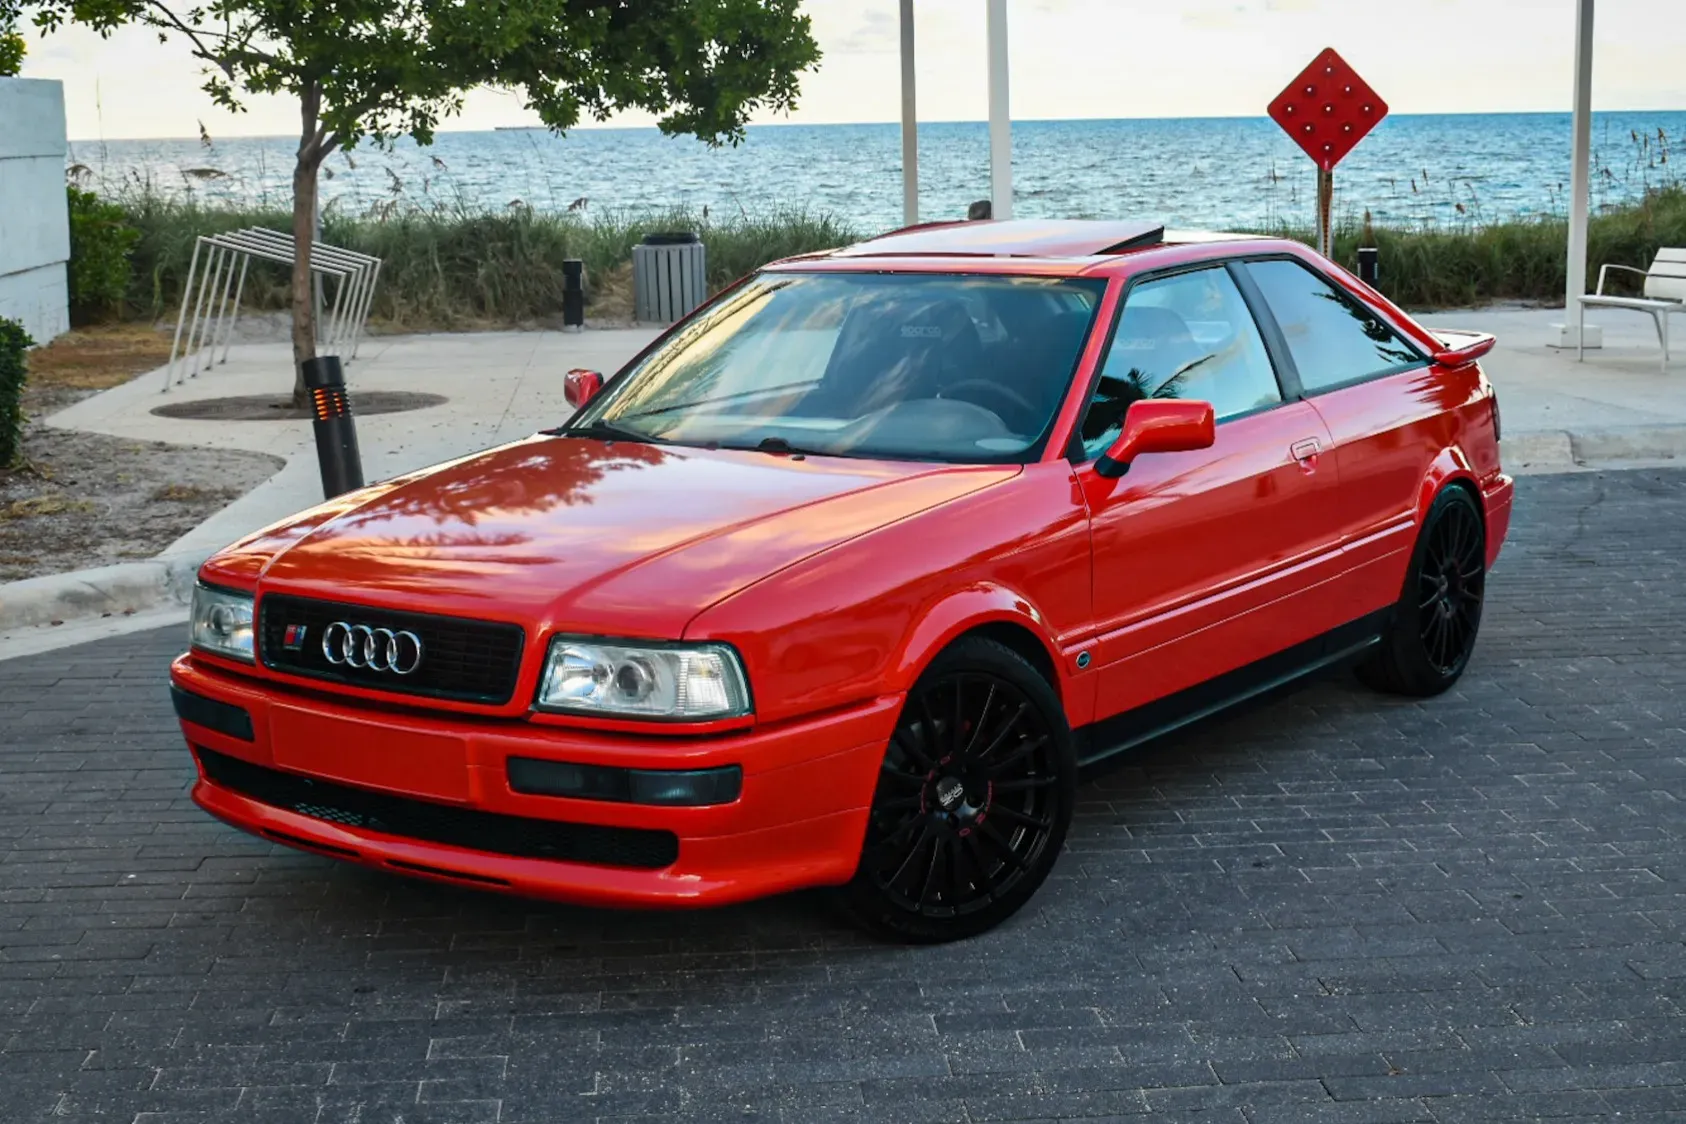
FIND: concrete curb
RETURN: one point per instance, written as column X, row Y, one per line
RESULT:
column 129, row 587
column 1564, row 448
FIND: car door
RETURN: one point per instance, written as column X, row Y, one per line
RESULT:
column 1204, row 561
column 1389, row 413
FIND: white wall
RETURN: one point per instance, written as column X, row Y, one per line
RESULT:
column 34, row 222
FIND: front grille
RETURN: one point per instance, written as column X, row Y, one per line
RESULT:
column 470, row 661
column 519, row 836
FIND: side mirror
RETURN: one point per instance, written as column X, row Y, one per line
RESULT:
column 1159, row 425
column 581, row 386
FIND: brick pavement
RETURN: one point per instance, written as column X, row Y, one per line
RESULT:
column 1334, row 908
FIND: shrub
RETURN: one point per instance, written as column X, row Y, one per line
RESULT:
column 14, row 341
column 101, row 241
column 11, row 52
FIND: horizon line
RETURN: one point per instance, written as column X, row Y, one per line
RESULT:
column 602, row 128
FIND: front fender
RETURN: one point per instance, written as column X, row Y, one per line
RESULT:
column 978, row 606
column 958, row 613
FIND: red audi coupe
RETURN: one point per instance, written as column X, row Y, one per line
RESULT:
column 844, row 578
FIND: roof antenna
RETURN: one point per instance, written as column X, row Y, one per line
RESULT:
column 978, row 211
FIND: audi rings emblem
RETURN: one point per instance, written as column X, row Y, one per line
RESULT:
column 371, row 649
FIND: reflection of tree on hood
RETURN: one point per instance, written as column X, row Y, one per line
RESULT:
column 532, row 477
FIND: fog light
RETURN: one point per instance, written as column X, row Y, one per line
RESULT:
column 670, row 787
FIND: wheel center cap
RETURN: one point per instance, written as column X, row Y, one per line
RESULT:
column 950, row 791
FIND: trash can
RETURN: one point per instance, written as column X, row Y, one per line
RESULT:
column 669, row 277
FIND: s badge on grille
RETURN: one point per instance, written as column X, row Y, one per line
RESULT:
column 293, row 638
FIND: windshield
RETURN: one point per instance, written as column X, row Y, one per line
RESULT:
column 936, row 367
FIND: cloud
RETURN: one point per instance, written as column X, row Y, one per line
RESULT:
column 875, row 32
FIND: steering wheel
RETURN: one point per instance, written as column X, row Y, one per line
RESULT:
column 1000, row 392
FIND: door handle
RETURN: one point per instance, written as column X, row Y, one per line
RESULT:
column 1306, row 452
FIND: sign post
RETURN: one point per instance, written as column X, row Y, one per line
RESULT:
column 1327, row 110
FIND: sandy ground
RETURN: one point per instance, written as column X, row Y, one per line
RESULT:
column 82, row 499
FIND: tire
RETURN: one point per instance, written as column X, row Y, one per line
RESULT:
column 1428, row 643
column 973, row 800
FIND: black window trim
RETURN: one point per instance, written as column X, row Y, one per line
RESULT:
column 1078, row 456
column 1275, row 337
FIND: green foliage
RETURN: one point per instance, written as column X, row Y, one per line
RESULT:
column 14, row 341
column 12, row 50
column 463, row 268
column 101, row 241
column 382, row 69
column 1523, row 260
column 389, row 68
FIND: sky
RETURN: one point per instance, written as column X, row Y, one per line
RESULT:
column 1070, row 58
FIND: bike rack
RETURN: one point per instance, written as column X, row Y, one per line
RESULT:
column 215, row 310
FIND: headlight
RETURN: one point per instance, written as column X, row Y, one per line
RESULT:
column 687, row 682
column 222, row 622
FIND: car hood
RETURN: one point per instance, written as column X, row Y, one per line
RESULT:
column 577, row 534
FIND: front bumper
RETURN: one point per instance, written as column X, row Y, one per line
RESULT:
column 798, row 820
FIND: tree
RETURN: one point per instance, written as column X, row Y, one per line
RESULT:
column 382, row 69
column 11, row 46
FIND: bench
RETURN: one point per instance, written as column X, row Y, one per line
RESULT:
column 1665, row 293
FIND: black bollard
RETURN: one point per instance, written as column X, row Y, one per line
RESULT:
column 573, row 293
column 336, row 432
column 1369, row 265
column 979, row 211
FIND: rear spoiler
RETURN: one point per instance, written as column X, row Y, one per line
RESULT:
column 1460, row 349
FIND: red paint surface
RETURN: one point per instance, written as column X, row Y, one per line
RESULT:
column 837, row 581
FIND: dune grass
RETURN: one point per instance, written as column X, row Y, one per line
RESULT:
column 1522, row 260
column 456, row 269
column 460, row 268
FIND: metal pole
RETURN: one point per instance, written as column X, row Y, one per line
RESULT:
column 181, row 318
column 234, row 311
column 368, row 303
column 1325, row 211
column 207, row 284
column 333, row 336
column 1000, row 120
column 910, row 122
column 222, row 310
column 1580, row 188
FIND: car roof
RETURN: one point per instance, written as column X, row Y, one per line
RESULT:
column 1019, row 238
column 1043, row 246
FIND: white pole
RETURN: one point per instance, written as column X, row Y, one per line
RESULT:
column 1000, row 120
column 1579, row 176
column 910, row 122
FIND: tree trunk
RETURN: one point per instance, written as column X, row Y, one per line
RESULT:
column 304, row 304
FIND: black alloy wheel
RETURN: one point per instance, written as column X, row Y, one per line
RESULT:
column 1429, row 643
column 973, row 799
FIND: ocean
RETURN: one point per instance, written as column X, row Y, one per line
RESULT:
column 1443, row 170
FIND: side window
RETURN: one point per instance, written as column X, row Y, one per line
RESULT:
column 1185, row 336
column 1332, row 338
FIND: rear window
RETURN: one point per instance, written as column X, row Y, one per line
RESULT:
column 1333, row 338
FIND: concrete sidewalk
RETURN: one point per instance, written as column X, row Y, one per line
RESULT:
column 1558, row 415
column 499, row 386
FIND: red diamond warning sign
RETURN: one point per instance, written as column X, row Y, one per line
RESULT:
column 1328, row 109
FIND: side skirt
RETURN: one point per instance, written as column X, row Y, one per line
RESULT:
column 1100, row 741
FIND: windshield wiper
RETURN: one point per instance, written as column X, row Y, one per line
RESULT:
column 777, row 445
column 609, row 431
